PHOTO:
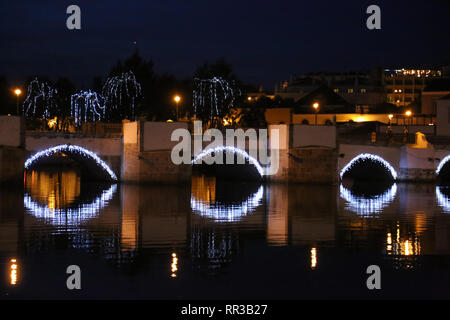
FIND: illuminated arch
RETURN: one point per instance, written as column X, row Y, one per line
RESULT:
column 373, row 157
column 365, row 206
column 238, row 151
column 227, row 213
column 71, row 149
column 442, row 164
column 69, row 216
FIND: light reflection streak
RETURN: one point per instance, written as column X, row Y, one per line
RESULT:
column 174, row 265
column 368, row 205
column 227, row 213
column 69, row 216
column 402, row 246
column 14, row 272
column 442, row 199
column 313, row 258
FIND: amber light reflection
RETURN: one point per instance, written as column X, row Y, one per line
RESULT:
column 204, row 189
column 56, row 190
column 402, row 246
column 14, row 272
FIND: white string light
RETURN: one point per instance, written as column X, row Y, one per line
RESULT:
column 120, row 87
column 71, row 149
column 442, row 163
column 215, row 93
column 231, row 149
column 372, row 157
column 39, row 92
column 227, row 213
column 442, row 199
column 87, row 106
column 368, row 205
column 70, row 216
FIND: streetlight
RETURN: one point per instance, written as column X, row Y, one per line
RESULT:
column 177, row 100
column 390, row 118
column 316, row 108
column 408, row 113
column 17, row 92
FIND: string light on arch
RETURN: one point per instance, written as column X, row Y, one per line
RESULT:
column 71, row 149
column 442, row 164
column 368, row 156
column 231, row 149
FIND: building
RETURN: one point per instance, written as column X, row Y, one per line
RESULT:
column 405, row 86
column 434, row 91
column 362, row 89
column 443, row 116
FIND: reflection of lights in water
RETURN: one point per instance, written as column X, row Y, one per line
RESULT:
column 57, row 190
column 313, row 258
column 69, row 216
column 242, row 153
column 368, row 205
column 14, row 270
column 403, row 250
column 402, row 247
column 442, row 199
column 174, row 265
column 372, row 157
column 227, row 213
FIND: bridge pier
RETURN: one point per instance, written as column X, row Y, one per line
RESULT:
column 12, row 151
column 307, row 154
column 147, row 149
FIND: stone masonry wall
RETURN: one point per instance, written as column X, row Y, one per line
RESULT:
column 313, row 165
column 11, row 165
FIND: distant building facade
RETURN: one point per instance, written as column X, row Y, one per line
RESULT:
column 405, row 86
column 367, row 90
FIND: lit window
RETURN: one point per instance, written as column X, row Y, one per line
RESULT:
column 336, row 90
column 350, row 90
column 363, row 90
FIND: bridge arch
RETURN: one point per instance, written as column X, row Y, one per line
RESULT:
column 443, row 167
column 371, row 157
column 77, row 152
column 245, row 155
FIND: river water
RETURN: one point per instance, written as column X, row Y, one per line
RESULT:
column 215, row 239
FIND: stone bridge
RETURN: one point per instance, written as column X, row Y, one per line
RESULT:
column 143, row 153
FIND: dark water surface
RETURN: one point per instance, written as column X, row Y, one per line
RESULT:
column 225, row 240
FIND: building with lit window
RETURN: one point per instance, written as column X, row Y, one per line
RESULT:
column 362, row 89
column 405, row 86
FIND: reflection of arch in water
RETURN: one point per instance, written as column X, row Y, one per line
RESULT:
column 71, row 149
column 443, row 200
column 372, row 157
column 368, row 205
column 227, row 213
column 245, row 155
column 69, row 216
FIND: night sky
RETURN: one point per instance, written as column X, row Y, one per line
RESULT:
column 265, row 41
